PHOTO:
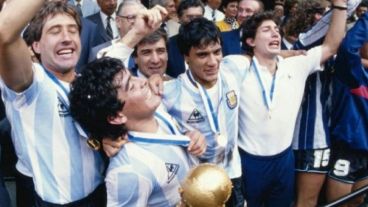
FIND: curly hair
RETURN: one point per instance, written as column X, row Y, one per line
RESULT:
column 304, row 17
column 249, row 28
column 196, row 33
column 94, row 98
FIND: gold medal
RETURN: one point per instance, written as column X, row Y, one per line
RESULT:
column 221, row 140
column 94, row 144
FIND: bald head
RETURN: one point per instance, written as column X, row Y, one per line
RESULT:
column 126, row 14
column 248, row 8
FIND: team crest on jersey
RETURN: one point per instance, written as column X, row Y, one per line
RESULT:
column 195, row 117
column 172, row 170
column 63, row 110
column 231, row 99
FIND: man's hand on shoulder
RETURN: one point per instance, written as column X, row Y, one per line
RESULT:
column 112, row 147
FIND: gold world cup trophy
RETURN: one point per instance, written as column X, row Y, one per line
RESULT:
column 206, row 185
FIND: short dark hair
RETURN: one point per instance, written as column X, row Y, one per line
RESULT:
column 151, row 39
column 249, row 28
column 224, row 4
column 288, row 5
column 52, row 8
column 186, row 4
column 364, row 3
column 94, row 98
column 28, row 37
column 198, row 32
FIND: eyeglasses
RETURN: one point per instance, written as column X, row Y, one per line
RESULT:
column 129, row 18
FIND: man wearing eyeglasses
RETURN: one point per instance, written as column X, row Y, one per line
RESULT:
column 125, row 17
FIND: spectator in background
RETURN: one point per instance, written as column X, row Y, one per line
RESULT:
column 105, row 20
column 231, row 43
column 248, row 8
column 85, row 7
column 360, row 10
column 187, row 11
column 290, row 7
column 211, row 11
column 309, row 12
column 125, row 18
column 279, row 9
column 170, row 25
column 230, row 9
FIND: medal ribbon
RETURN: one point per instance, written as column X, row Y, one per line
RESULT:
column 169, row 122
column 211, row 112
column 63, row 92
column 267, row 99
column 175, row 138
column 158, row 138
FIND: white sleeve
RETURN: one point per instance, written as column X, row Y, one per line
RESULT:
column 116, row 50
column 304, row 65
column 28, row 95
column 319, row 30
column 237, row 65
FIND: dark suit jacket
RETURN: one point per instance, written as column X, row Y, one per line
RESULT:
column 231, row 42
column 89, row 7
column 88, row 41
column 94, row 50
column 175, row 64
column 101, row 31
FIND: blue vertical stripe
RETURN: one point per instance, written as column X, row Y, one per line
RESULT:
column 44, row 140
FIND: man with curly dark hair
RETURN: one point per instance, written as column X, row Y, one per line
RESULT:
column 108, row 102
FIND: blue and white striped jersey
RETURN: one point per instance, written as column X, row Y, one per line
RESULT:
column 48, row 146
column 311, row 129
column 314, row 36
column 147, row 174
column 184, row 102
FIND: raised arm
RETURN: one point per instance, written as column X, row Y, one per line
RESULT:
column 349, row 66
column 336, row 31
column 317, row 32
column 15, row 59
column 147, row 21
